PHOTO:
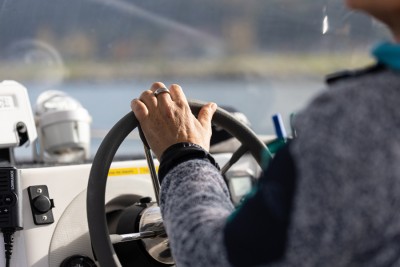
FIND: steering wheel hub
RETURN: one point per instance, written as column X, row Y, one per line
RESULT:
column 157, row 247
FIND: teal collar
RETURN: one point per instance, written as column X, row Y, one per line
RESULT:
column 388, row 54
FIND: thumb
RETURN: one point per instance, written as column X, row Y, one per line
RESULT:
column 206, row 113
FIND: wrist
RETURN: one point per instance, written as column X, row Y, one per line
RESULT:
column 179, row 153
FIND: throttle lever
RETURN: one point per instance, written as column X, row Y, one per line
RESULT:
column 115, row 238
column 150, row 163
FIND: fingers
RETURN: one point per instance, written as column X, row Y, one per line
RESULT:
column 140, row 109
column 167, row 119
column 157, row 85
column 167, row 101
column 177, row 94
column 163, row 97
column 206, row 113
column 147, row 97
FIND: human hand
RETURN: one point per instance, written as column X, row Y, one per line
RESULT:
column 167, row 119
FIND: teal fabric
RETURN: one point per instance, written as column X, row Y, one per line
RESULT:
column 388, row 54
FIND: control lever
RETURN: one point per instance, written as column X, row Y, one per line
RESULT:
column 150, row 163
column 115, row 238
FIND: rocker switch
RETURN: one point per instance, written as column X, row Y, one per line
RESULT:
column 41, row 204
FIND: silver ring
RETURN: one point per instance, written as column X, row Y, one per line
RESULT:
column 160, row 91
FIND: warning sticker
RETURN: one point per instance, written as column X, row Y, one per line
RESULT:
column 129, row 171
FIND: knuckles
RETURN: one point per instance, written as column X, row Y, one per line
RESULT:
column 157, row 85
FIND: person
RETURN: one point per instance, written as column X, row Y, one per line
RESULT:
column 329, row 198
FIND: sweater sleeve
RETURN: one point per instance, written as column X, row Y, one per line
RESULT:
column 195, row 204
column 202, row 227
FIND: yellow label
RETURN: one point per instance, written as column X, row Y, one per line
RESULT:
column 129, row 171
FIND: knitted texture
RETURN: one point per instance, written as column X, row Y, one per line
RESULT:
column 195, row 204
column 346, row 209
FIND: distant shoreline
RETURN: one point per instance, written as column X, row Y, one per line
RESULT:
column 254, row 66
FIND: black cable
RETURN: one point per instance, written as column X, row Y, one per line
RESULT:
column 8, row 235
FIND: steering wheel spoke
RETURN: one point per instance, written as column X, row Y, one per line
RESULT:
column 234, row 158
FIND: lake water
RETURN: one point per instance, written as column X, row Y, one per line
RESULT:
column 107, row 102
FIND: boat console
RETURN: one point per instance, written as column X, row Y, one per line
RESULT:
column 44, row 204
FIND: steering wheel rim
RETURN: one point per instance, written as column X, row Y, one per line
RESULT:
column 96, row 188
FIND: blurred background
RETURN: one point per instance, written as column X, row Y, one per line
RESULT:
column 260, row 57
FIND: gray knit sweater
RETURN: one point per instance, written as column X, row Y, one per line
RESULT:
column 347, row 200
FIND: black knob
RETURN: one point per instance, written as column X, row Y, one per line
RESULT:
column 78, row 261
column 145, row 200
column 42, row 204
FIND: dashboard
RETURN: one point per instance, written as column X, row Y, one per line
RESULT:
column 51, row 244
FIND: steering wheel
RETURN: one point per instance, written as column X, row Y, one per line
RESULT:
column 96, row 189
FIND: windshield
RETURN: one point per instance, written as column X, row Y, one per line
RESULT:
column 258, row 57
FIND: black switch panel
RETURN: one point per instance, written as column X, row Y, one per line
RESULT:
column 41, row 204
